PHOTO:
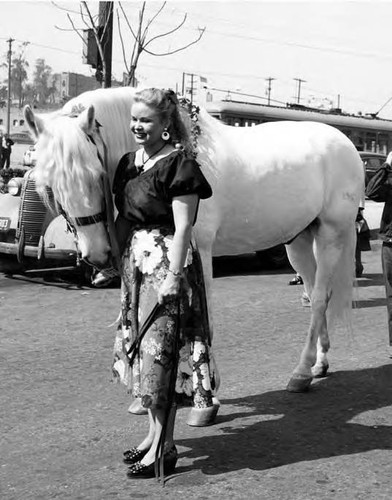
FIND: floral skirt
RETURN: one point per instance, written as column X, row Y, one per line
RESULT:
column 177, row 335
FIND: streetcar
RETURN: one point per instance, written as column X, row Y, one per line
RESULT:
column 367, row 132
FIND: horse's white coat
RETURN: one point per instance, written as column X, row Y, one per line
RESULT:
column 271, row 183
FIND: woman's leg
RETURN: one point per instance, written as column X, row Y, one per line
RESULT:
column 158, row 417
column 148, row 440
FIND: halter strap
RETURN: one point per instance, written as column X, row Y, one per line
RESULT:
column 90, row 219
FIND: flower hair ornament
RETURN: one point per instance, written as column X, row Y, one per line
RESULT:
column 171, row 96
column 193, row 113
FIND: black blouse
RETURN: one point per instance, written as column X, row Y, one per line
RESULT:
column 146, row 198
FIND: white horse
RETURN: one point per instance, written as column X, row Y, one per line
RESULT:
column 285, row 182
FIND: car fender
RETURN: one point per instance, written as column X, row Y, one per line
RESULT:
column 9, row 208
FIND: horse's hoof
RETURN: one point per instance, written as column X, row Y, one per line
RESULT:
column 136, row 408
column 202, row 417
column 299, row 383
column 320, row 371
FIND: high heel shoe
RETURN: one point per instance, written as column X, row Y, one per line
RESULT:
column 139, row 470
column 133, row 455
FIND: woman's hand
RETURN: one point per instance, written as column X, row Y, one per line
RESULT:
column 170, row 288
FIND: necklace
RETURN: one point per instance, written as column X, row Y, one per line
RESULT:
column 140, row 169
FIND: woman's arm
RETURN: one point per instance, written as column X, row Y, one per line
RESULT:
column 184, row 210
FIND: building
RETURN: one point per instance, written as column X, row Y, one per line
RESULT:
column 68, row 85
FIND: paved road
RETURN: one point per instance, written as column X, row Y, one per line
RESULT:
column 64, row 425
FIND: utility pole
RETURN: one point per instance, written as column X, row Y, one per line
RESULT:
column 300, row 81
column 184, row 84
column 106, row 25
column 269, row 80
column 9, row 85
column 192, row 76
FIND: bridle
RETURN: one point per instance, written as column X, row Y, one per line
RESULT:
column 106, row 215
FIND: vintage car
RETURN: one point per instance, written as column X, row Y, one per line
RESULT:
column 33, row 237
column 30, row 157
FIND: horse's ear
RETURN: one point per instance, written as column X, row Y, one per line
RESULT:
column 34, row 122
column 86, row 120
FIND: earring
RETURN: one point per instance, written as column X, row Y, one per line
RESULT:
column 165, row 135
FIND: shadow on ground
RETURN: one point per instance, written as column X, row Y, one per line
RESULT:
column 338, row 416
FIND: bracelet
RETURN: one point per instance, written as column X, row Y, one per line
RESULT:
column 175, row 273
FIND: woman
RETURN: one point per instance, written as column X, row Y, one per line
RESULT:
column 162, row 346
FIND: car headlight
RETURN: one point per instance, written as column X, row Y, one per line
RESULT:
column 15, row 186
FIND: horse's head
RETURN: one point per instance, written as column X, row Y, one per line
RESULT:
column 70, row 162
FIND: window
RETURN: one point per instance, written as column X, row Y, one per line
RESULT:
column 384, row 143
column 370, row 141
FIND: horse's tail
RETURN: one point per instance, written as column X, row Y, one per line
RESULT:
column 340, row 304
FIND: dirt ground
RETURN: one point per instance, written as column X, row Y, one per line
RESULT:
column 65, row 425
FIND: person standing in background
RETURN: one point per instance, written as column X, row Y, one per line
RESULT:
column 379, row 189
column 7, row 144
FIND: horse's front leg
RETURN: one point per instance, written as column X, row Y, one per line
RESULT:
column 317, row 344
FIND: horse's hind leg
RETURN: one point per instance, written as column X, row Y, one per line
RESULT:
column 301, row 257
column 332, row 244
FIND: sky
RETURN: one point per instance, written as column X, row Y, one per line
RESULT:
column 340, row 50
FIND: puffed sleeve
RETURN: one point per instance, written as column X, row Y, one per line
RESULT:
column 183, row 177
column 124, row 172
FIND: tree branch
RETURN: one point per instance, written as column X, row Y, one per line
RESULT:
column 127, row 21
column 201, row 33
column 155, row 15
column 168, row 32
column 75, row 29
column 122, row 41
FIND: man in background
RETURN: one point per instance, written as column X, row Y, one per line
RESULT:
column 379, row 189
column 7, row 144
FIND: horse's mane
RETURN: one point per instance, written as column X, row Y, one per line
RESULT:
column 64, row 160
column 67, row 157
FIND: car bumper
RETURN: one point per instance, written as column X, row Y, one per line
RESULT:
column 39, row 253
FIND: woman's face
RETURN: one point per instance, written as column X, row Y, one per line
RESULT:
column 146, row 124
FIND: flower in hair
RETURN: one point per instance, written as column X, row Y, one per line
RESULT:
column 171, row 95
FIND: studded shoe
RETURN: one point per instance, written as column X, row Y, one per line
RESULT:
column 139, row 470
column 133, row 455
